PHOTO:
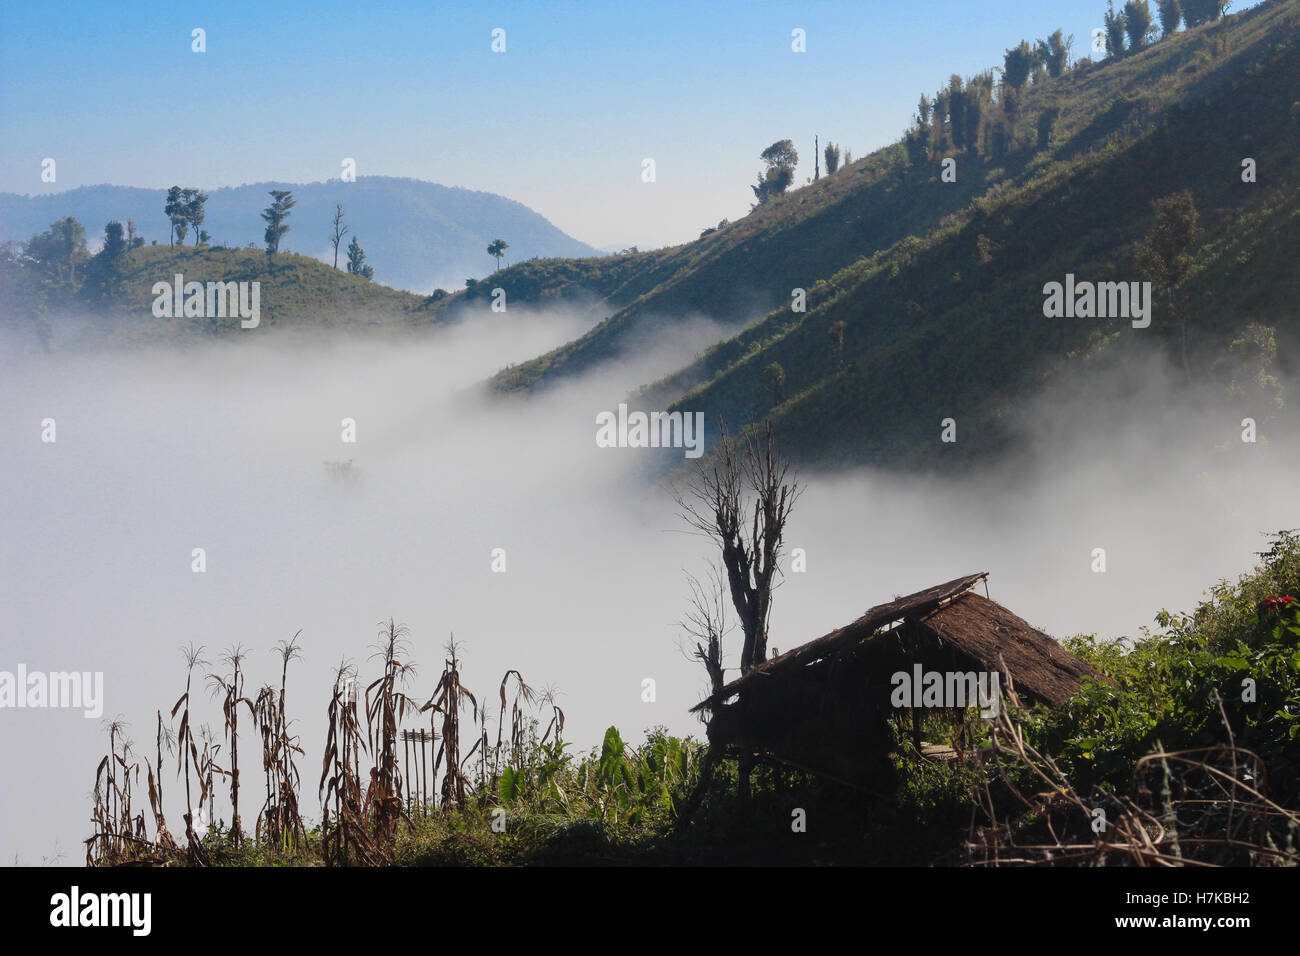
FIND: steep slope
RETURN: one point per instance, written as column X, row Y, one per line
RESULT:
column 952, row 324
column 744, row 269
column 417, row 235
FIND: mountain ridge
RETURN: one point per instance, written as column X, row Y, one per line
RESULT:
column 417, row 234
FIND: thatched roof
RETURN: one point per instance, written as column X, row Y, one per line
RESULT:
column 1000, row 641
column 954, row 616
column 882, row 615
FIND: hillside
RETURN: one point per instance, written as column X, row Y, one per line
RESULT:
column 417, row 235
column 952, row 324
column 741, row 271
column 940, row 285
column 295, row 291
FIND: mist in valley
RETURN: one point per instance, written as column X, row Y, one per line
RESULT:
column 223, row 446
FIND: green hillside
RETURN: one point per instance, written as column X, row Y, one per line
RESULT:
column 939, row 285
column 952, row 324
column 295, row 290
column 739, row 272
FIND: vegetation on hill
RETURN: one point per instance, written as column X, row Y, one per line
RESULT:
column 116, row 288
column 912, row 280
column 417, row 234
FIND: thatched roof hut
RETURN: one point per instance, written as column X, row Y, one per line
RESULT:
column 825, row 706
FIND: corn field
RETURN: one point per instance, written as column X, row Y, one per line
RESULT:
column 398, row 769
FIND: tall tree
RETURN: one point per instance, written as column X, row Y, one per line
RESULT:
column 917, row 143
column 1114, row 26
column 1198, row 12
column 58, row 251
column 497, row 249
column 192, row 202
column 957, row 111
column 817, row 158
column 1055, row 52
column 1164, row 257
column 357, row 260
column 275, row 216
column 941, row 136
column 114, row 242
column 175, row 212
column 832, row 155
column 781, row 159
column 1017, row 62
column 977, row 98
column 338, row 231
column 106, row 267
column 1137, row 23
column 742, row 499
column 1170, row 12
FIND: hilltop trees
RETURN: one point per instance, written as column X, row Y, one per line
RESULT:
column 275, row 216
column 832, row 156
column 192, row 208
column 185, row 210
column 173, row 211
column 357, row 261
column 1114, row 26
column 1197, row 12
column 1137, row 24
column 104, row 274
column 1164, row 256
column 1054, row 52
column 956, row 104
column 497, row 249
column 917, row 143
column 58, row 251
column 781, row 159
column 1170, row 13
column 1017, row 64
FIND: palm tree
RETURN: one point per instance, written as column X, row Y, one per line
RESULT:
column 497, row 249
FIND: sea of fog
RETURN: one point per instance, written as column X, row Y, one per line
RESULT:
column 222, row 446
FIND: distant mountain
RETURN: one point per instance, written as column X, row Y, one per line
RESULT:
column 417, row 235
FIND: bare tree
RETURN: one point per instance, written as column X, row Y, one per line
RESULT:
column 742, row 500
column 706, row 622
column 338, row 232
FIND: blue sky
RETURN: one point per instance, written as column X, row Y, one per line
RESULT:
column 561, row 121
